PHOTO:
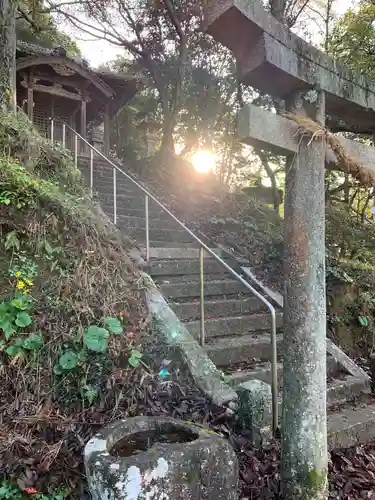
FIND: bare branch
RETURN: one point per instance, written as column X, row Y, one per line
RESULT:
column 174, row 19
column 29, row 19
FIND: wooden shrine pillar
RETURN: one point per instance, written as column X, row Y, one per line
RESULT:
column 107, row 129
column 83, row 123
column 30, row 96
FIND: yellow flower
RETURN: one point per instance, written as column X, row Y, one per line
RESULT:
column 29, row 283
column 18, row 274
column 25, row 292
column 20, row 285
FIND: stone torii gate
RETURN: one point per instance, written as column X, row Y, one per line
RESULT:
column 277, row 62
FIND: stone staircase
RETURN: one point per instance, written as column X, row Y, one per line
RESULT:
column 237, row 325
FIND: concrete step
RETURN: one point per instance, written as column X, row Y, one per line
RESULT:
column 172, row 235
column 103, row 180
column 186, row 278
column 140, row 222
column 345, row 389
column 262, row 371
column 139, row 212
column 225, row 351
column 351, row 426
column 182, row 254
column 124, row 211
column 123, row 187
column 233, row 325
column 187, row 267
column 132, row 202
column 171, row 244
column 216, row 308
column 211, row 289
column 338, row 391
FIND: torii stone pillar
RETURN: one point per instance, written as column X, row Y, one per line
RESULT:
column 304, row 427
column 275, row 61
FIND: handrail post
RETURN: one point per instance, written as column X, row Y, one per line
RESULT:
column 114, row 198
column 201, row 287
column 274, row 385
column 147, row 224
column 76, row 150
column 91, row 171
column 63, row 135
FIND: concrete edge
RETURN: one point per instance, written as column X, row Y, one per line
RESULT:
column 345, row 362
column 205, row 374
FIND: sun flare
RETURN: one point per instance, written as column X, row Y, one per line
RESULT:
column 203, row 161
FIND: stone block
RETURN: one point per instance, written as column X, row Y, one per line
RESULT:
column 156, row 458
column 275, row 60
column 255, row 410
column 267, row 130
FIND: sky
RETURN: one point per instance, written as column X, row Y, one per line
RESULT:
column 98, row 52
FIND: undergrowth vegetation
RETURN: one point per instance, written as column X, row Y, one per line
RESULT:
column 71, row 312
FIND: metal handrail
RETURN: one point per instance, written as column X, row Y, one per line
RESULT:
column 203, row 248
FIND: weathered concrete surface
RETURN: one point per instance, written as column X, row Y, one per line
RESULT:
column 164, row 253
column 203, row 465
column 272, row 294
column 351, row 426
column 186, row 266
column 267, row 130
column 205, row 374
column 229, row 350
column 254, row 411
column 262, row 371
column 217, row 287
column 275, row 68
column 235, row 325
column 364, row 154
column 341, row 390
column 345, row 362
column 279, row 134
column 217, row 308
column 304, row 426
column 258, row 39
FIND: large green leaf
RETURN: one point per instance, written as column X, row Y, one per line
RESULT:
column 33, row 342
column 4, row 308
column 13, row 350
column 135, row 357
column 114, row 325
column 68, row 360
column 96, row 339
column 23, row 319
column 6, row 324
column 20, row 304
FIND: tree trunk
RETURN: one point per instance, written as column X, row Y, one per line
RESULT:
column 304, row 460
column 7, row 54
column 271, row 175
column 277, row 9
column 363, row 214
column 167, row 143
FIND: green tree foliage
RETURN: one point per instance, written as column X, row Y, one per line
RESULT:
column 352, row 40
column 35, row 24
